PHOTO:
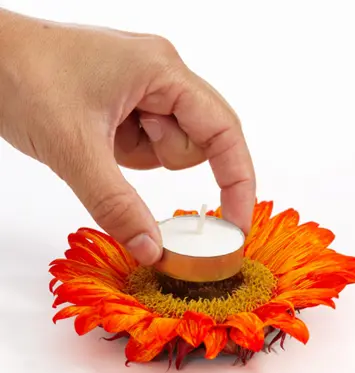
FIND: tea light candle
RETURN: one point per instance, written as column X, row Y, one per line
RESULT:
column 200, row 248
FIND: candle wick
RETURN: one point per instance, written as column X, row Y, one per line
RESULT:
column 201, row 221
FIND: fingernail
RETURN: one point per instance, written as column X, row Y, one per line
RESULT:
column 144, row 249
column 153, row 129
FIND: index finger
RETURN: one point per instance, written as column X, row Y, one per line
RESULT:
column 213, row 125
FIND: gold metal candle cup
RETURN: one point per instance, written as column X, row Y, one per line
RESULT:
column 200, row 269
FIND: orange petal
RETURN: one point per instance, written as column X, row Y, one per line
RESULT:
column 271, row 240
column 274, row 308
column 194, row 327
column 87, row 317
column 281, row 236
column 79, row 293
column 83, row 249
column 85, row 292
column 292, row 326
column 116, row 255
column 139, row 353
column 52, row 283
column 185, row 212
column 96, row 266
column 316, row 279
column 114, row 303
column 68, row 312
column 305, row 298
column 117, row 323
column 328, row 270
column 87, row 321
column 216, row 213
column 215, row 341
column 270, row 228
column 104, row 249
column 247, row 330
column 280, row 315
column 261, row 215
column 82, row 255
column 65, row 270
column 122, row 315
column 158, row 329
column 306, row 243
column 149, row 338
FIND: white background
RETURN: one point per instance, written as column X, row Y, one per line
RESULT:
column 288, row 70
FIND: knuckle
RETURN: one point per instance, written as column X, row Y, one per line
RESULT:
column 166, row 50
column 165, row 44
column 112, row 210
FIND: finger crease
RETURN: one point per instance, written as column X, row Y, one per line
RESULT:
column 248, row 181
column 217, row 154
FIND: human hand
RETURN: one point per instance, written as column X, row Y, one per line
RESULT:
column 76, row 99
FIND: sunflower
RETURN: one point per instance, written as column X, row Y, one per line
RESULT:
column 287, row 267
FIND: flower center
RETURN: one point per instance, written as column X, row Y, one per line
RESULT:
column 195, row 290
column 250, row 289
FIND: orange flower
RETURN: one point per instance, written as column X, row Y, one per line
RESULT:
column 287, row 267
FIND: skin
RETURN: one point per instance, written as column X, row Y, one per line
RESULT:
column 85, row 100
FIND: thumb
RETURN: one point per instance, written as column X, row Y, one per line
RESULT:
column 115, row 205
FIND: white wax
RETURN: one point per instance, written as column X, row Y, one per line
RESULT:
column 219, row 237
